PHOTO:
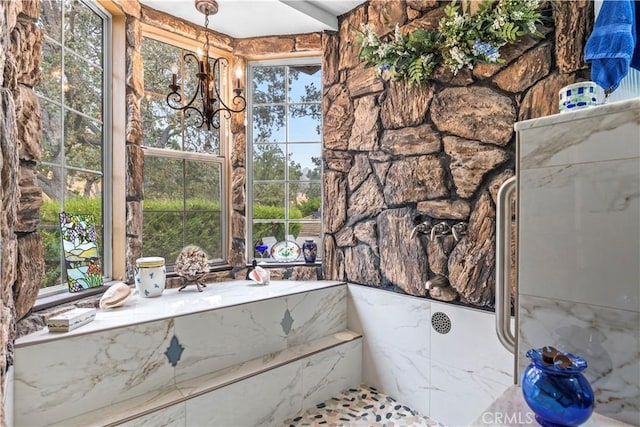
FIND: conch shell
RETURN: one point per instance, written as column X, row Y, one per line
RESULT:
column 115, row 296
column 260, row 276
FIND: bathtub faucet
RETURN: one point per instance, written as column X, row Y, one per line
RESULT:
column 439, row 230
column 423, row 227
column 459, row 230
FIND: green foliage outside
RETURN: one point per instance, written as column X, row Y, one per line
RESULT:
column 276, row 229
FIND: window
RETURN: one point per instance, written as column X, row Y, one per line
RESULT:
column 76, row 126
column 184, row 165
column 285, row 130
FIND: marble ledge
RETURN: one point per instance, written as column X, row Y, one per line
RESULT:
column 147, row 404
column 510, row 409
column 586, row 113
column 173, row 304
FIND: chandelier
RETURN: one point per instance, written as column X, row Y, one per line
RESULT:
column 207, row 90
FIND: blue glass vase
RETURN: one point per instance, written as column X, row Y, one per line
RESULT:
column 555, row 389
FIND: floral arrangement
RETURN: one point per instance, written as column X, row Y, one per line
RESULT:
column 462, row 40
column 192, row 264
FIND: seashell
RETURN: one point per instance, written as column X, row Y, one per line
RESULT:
column 260, row 276
column 115, row 296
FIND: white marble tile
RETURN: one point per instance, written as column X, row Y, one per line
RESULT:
column 262, row 400
column 8, row 396
column 64, row 378
column 316, row 314
column 510, row 410
column 172, row 416
column 579, row 233
column 472, row 344
column 131, row 408
column 396, row 343
column 458, row 396
column 326, row 374
column 221, row 338
column 606, row 132
column 608, row 339
column 173, row 303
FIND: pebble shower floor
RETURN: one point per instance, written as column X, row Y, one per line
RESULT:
column 359, row 407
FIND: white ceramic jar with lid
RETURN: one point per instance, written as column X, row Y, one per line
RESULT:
column 150, row 276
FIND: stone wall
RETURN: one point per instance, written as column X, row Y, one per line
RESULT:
column 397, row 156
column 22, row 264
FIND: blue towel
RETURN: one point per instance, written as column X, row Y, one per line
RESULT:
column 611, row 44
column 635, row 60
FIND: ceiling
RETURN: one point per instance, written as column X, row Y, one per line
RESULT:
column 253, row 18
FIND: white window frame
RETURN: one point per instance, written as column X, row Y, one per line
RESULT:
column 293, row 61
column 222, row 157
column 107, row 138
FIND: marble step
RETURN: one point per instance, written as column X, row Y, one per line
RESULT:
column 359, row 406
column 150, row 345
column 258, row 392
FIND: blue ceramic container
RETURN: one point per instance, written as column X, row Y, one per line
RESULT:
column 557, row 393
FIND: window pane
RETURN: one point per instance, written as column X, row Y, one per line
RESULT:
column 83, row 87
column 158, row 59
column 203, row 229
column 268, row 85
column 305, row 123
column 83, row 142
column 202, row 181
column 50, row 84
column 305, row 197
column 163, row 184
column 83, row 31
column 286, row 155
column 269, row 124
column 301, row 160
column 268, row 234
column 51, row 132
column 304, row 84
column 71, row 171
column 173, row 128
column 268, row 200
column 50, row 19
column 162, row 234
column 269, row 162
column 162, row 125
column 83, row 186
column 199, row 140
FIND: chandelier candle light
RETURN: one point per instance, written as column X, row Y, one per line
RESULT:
column 208, row 89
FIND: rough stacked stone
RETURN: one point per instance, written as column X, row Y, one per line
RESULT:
column 398, row 155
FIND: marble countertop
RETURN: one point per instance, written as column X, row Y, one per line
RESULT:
column 173, row 304
column 510, row 409
column 585, row 113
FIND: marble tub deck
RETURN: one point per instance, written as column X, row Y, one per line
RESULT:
column 360, row 406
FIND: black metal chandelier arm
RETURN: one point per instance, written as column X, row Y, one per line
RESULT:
column 202, row 119
column 237, row 100
column 175, row 97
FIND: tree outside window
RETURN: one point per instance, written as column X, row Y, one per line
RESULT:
column 285, row 122
column 183, row 170
column 74, row 148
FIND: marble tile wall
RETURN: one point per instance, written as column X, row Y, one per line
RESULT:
column 431, row 372
column 579, row 246
column 607, row 338
column 82, row 373
column 270, row 397
column 220, row 338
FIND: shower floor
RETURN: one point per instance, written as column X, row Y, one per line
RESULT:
column 361, row 406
